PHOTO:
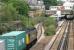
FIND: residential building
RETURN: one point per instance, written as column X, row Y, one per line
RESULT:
column 38, row 4
column 68, row 0
column 68, row 5
column 54, row 8
column 36, row 9
column 32, row 2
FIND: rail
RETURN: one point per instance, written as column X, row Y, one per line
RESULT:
column 63, row 45
column 50, row 44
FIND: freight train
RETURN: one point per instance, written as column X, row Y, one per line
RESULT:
column 18, row 40
column 68, row 14
column 67, row 17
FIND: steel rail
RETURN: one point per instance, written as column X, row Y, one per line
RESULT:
column 50, row 44
column 63, row 44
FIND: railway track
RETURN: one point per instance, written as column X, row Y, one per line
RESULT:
column 68, row 38
column 57, row 41
column 67, row 42
column 63, row 45
column 71, row 36
column 62, row 40
column 65, row 39
column 41, row 45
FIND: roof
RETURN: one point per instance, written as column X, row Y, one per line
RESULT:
column 68, row 4
column 13, row 33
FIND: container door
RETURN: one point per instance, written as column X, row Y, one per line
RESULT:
column 10, row 44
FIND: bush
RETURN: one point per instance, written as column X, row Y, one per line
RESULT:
column 50, row 26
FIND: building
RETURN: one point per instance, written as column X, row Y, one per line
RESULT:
column 68, row 5
column 32, row 2
column 37, row 7
column 54, row 8
column 68, row 0
column 35, row 4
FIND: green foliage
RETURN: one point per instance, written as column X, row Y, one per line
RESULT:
column 4, row 0
column 50, row 3
column 12, row 9
column 60, row 2
column 8, row 13
column 30, row 22
column 27, row 21
column 50, row 26
column 21, row 6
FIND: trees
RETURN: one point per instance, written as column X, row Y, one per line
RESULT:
column 60, row 2
column 50, row 3
column 21, row 6
column 11, row 9
column 50, row 25
column 8, row 12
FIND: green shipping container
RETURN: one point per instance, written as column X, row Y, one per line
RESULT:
column 15, row 40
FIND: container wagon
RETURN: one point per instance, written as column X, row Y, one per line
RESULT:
column 14, row 40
